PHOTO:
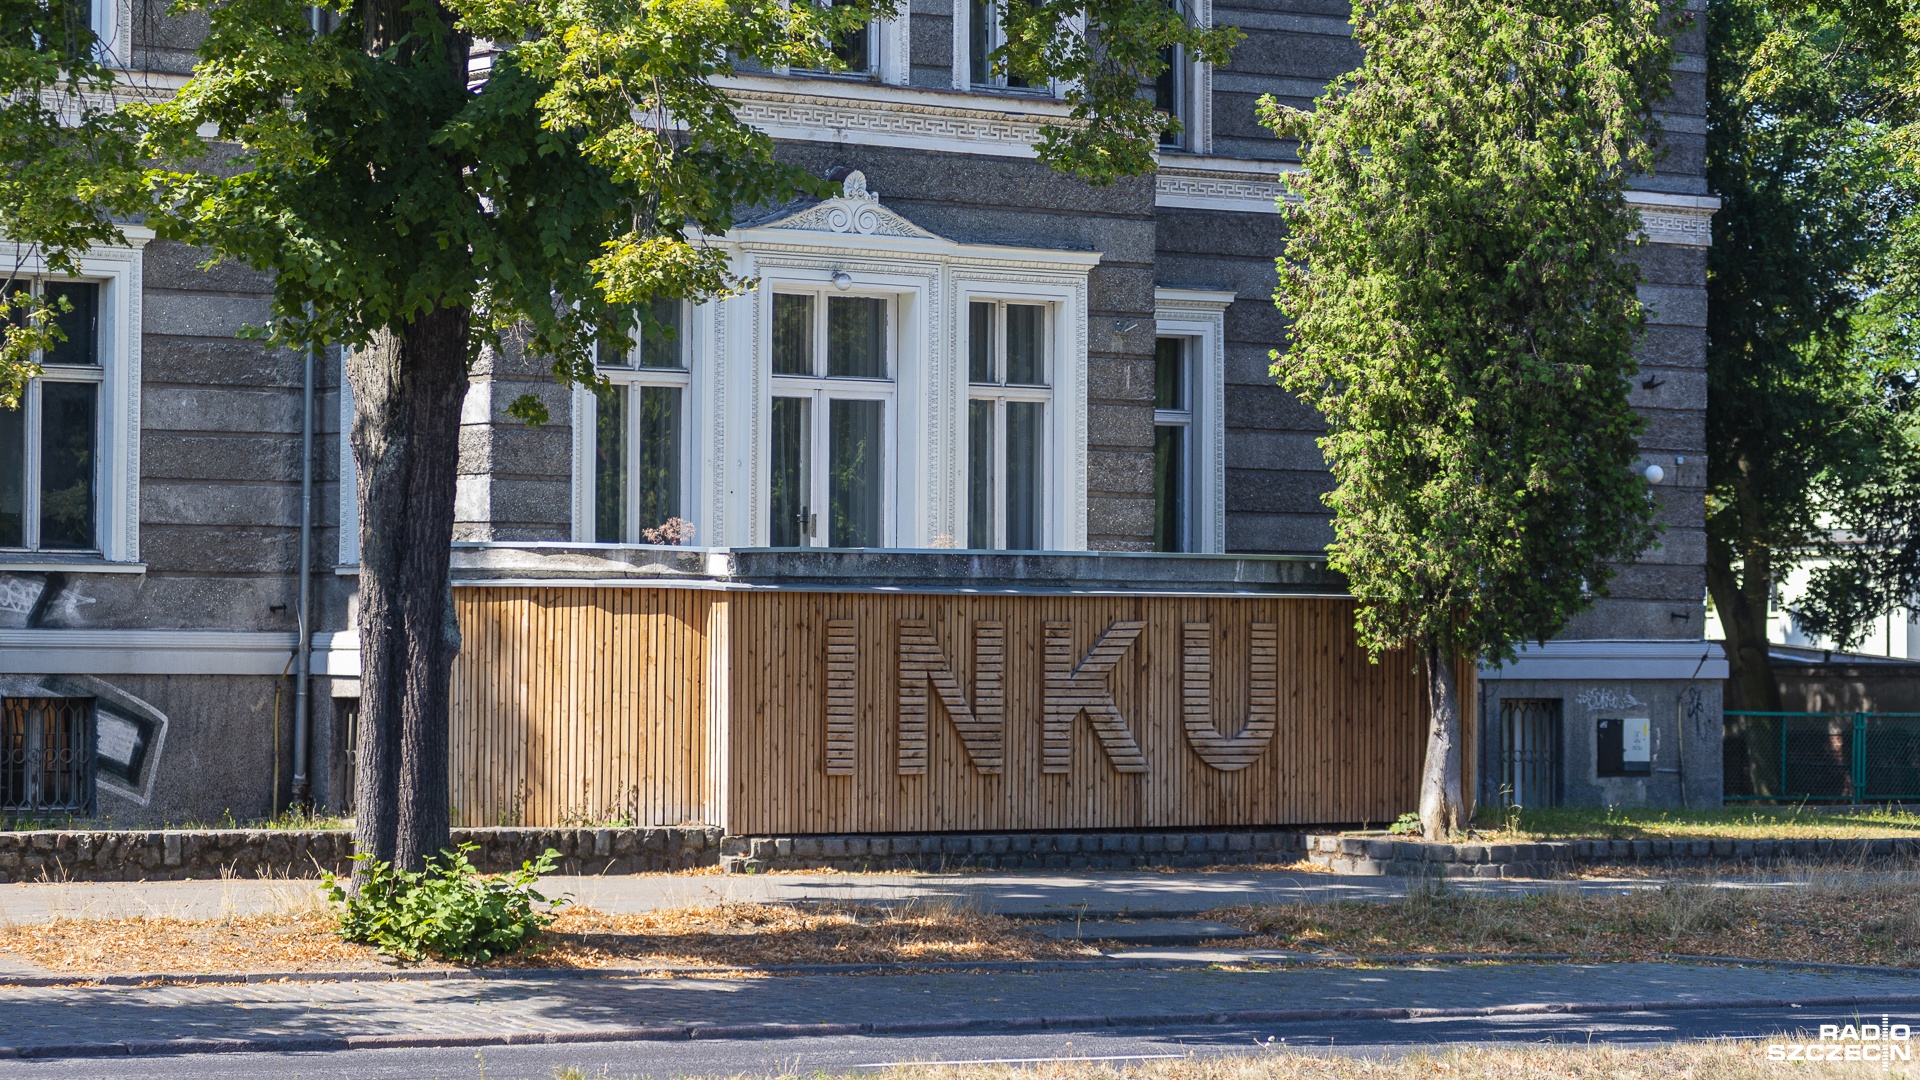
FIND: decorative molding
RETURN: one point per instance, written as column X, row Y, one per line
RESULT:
column 870, row 115
column 981, row 724
column 1681, row 220
column 1230, row 754
column 843, row 659
column 857, row 210
column 1072, row 689
column 1228, row 185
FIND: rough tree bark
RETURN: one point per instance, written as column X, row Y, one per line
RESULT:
column 1443, row 807
column 408, row 386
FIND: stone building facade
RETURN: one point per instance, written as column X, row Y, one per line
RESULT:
column 964, row 350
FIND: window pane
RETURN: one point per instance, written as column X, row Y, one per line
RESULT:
column 855, row 447
column 979, row 474
column 857, row 337
column 610, row 465
column 1026, row 347
column 979, row 39
column 980, row 342
column 68, row 417
column 792, row 334
column 13, row 476
column 852, row 51
column 1169, row 374
column 1023, row 475
column 662, row 343
column 81, row 325
column 1169, row 488
column 1166, row 94
column 787, row 502
column 659, row 455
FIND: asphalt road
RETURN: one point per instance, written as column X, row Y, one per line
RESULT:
column 774, row 1057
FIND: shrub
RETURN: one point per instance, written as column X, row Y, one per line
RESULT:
column 449, row 911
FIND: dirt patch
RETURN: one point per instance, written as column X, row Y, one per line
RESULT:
column 725, row 935
column 1823, row 920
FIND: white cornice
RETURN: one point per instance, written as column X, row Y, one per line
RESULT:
column 871, row 114
column 1233, row 185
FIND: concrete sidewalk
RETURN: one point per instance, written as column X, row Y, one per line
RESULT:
column 69, row 1021
column 1064, row 893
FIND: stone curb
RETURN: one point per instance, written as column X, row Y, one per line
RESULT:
column 1370, row 856
column 298, row 1043
column 986, row 966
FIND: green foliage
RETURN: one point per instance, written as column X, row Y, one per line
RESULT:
column 68, row 165
column 1103, row 50
column 1464, row 309
column 577, row 182
column 1811, row 353
column 1405, row 825
column 448, row 911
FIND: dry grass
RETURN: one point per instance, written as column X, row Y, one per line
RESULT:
column 1747, row 823
column 772, row 934
column 719, row 936
column 1678, row 1061
column 1830, row 919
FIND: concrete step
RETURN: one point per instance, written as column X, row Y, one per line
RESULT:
column 1146, row 931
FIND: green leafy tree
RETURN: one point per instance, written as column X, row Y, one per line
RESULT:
column 428, row 180
column 1810, row 325
column 1459, row 277
column 68, row 166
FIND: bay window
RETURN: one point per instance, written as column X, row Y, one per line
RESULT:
column 1007, row 400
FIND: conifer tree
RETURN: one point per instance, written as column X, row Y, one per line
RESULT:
column 1459, row 276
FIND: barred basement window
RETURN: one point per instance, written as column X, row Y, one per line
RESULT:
column 46, row 755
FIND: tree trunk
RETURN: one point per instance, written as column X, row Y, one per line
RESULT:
column 1443, row 805
column 408, row 386
column 1740, row 599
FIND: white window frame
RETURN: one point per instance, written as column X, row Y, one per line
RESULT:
column 963, row 57
column 1200, row 317
column 1063, row 526
column 118, row 271
column 890, row 55
column 586, row 412
column 820, row 388
column 1001, row 393
column 1183, row 418
column 113, row 27
column 690, row 381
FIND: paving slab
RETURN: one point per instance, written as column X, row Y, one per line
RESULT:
column 576, row 1008
column 1145, row 931
column 1061, row 895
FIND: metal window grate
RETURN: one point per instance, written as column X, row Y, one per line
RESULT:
column 1530, row 751
column 46, row 755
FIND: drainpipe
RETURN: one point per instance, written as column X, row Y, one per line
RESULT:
column 302, row 785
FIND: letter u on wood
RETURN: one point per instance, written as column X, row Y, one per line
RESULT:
column 982, row 725
column 1230, row 754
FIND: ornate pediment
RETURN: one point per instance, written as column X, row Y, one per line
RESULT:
column 857, row 212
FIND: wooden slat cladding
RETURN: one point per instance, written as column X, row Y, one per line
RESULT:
column 585, row 705
column 1346, row 743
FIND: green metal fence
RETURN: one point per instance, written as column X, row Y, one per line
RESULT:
column 1858, row 757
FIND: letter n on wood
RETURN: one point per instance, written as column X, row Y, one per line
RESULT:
column 982, row 725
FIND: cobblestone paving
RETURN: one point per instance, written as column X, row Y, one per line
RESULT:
column 43, row 1016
